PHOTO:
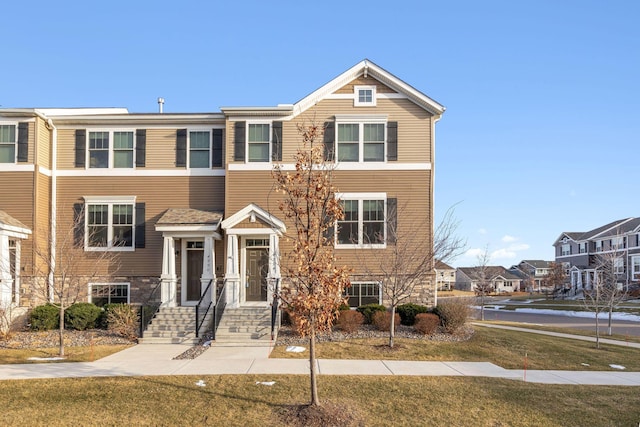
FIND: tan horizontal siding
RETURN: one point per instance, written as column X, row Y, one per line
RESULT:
column 161, row 149
column 43, row 141
column 412, row 189
column 369, row 81
column 17, row 200
column 158, row 194
column 66, row 149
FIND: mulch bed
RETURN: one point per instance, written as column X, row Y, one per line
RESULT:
column 72, row 338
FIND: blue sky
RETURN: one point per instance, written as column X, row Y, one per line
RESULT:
column 542, row 125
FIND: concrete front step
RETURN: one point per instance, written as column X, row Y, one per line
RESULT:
column 169, row 340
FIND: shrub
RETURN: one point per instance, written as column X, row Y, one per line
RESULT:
column 81, row 316
column 426, row 323
column 408, row 312
column 368, row 311
column 350, row 321
column 123, row 320
column 453, row 313
column 45, row 317
column 102, row 321
column 382, row 319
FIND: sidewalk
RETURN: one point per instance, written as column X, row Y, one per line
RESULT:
column 157, row 359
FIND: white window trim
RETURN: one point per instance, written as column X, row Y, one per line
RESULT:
column 199, row 129
column 361, row 120
column 246, row 141
column 111, row 150
column 127, row 284
column 365, row 282
column 360, row 197
column 110, row 201
column 356, row 96
column 15, row 143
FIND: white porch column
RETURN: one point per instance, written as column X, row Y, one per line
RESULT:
column 208, row 273
column 6, row 279
column 168, row 278
column 274, row 265
column 233, row 271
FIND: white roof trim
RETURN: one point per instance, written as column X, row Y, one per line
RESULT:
column 377, row 73
column 13, row 231
column 253, row 210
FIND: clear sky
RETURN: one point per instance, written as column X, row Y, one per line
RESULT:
column 542, row 126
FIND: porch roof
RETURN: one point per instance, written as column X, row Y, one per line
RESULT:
column 184, row 217
column 12, row 226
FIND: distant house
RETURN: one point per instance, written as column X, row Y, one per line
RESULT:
column 445, row 276
column 532, row 272
column 582, row 252
column 468, row 278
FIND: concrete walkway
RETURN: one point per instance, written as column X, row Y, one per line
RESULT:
column 157, row 359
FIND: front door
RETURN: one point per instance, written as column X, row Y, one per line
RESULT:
column 257, row 268
column 195, row 257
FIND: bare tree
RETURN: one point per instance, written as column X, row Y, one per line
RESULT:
column 63, row 279
column 557, row 278
column 315, row 283
column 483, row 280
column 409, row 259
column 610, row 269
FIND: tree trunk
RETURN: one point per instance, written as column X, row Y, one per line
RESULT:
column 61, row 330
column 392, row 328
column 482, row 306
column 609, row 328
column 597, row 330
column 315, row 401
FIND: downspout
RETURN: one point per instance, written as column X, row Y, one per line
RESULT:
column 433, row 191
column 54, row 204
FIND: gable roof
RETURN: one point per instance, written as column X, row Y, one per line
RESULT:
column 253, row 212
column 362, row 68
column 536, row 263
column 439, row 265
column 12, row 226
column 492, row 272
column 620, row 226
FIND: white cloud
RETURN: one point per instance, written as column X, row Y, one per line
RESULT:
column 508, row 239
column 510, row 252
column 474, row 253
column 482, row 231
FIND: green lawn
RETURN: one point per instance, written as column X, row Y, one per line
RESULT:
column 380, row 401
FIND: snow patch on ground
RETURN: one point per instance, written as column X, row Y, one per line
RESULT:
column 583, row 314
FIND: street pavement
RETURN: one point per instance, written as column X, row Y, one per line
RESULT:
column 158, row 359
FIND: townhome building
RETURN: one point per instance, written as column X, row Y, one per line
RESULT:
column 583, row 253
column 533, row 273
column 186, row 200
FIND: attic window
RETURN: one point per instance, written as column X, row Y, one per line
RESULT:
column 365, row 96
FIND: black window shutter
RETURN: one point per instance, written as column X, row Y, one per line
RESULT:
column 392, row 141
column 239, row 141
column 276, row 141
column 216, row 152
column 392, row 221
column 329, row 138
column 141, row 147
column 181, row 148
column 140, row 223
column 78, row 225
column 23, row 141
column 81, row 147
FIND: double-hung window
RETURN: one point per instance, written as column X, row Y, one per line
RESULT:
column 109, row 224
column 361, row 293
column 364, row 221
column 258, row 142
column 199, row 149
column 111, row 149
column 8, row 143
column 635, row 268
column 618, row 265
column 361, row 140
column 566, row 249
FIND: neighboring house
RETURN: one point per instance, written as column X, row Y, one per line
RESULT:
column 186, row 199
column 445, row 276
column 582, row 252
column 501, row 280
column 533, row 272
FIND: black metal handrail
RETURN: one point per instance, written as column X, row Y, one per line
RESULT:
column 274, row 307
column 218, row 309
column 150, row 307
column 198, row 308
